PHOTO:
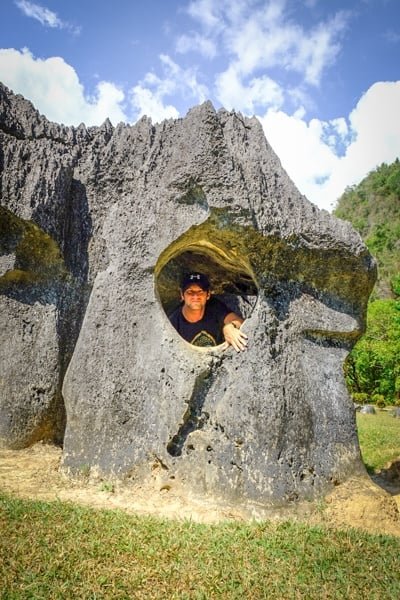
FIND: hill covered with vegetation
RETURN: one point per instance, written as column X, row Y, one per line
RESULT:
column 373, row 207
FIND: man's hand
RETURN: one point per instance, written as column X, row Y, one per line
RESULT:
column 235, row 337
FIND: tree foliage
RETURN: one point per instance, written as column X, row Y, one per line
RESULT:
column 373, row 366
column 373, row 207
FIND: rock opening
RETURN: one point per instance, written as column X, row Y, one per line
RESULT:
column 231, row 280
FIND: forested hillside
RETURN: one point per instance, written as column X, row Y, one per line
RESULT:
column 373, row 207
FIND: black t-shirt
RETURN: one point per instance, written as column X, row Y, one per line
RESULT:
column 207, row 331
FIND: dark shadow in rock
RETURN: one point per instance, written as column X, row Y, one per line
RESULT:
column 194, row 417
column 51, row 267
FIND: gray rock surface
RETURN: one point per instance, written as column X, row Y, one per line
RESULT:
column 368, row 410
column 96, row 226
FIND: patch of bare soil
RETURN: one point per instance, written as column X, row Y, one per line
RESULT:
column 360, row 503
column 363, row 504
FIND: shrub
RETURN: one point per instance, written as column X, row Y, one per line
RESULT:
column 360, row 397
column 373, row 366
column 379, row 400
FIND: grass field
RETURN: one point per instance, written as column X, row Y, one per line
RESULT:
column 379, row 437
column 59, row 551
column 54, row 550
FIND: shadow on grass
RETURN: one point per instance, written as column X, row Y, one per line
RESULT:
column 387, row 478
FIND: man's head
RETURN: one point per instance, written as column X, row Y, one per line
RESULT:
column 198, row 279
column 195, row 290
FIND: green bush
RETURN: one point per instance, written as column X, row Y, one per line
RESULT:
column 360, row 398
column 373, row 366
column 395, row 285
column 379, row 400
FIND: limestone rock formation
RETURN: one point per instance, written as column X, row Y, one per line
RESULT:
column 96, row 226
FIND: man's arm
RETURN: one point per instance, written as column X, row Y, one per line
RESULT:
column 232, row 333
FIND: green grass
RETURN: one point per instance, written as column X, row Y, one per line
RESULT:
column 379, row 437
column 53, row 550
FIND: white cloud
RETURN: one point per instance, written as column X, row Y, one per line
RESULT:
column 393, row 37
column 375, row 125
column 40, row 13
column 371, row 135
column 261, row 35
column 340, row 125
column 148, row 97
column 106, row 103
column 245, row 97
column 45, row 16
column 204, row 11
column 303, row 155
column 263, row 46
column 196, row 43
column 150, row 103
column 54, row 88
column 315, row 52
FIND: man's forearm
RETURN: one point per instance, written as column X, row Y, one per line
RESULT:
column 233, row 318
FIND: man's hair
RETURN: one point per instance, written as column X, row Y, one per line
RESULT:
column 198, row 278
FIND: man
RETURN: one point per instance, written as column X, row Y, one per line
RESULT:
column 203, row 320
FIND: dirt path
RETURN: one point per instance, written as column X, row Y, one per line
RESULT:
column 34, row 473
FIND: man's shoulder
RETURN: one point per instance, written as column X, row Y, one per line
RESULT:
column 216, row 305
column 174, row 316
column 213, row 301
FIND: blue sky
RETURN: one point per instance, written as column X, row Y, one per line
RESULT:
column 323, row 76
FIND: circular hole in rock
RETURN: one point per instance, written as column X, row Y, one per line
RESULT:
column 230, row 281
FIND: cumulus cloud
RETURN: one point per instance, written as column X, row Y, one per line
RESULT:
column 150, row 103
column 375, row 128
column 370, row 135
column 267, row 41
column 149, row 96
column 262, row 47
column 54, row 88
column 233, row 93
column 318, row 50
column 260, row 35
column 45, row 16
column 305, row 157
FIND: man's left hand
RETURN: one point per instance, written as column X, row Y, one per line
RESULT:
column 235, row 337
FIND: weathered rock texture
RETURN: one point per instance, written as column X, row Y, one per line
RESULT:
column 96, row 226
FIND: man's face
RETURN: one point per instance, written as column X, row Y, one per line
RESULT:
column 195, row 297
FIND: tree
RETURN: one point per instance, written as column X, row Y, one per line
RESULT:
column 373, row 207
column 373, row 366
